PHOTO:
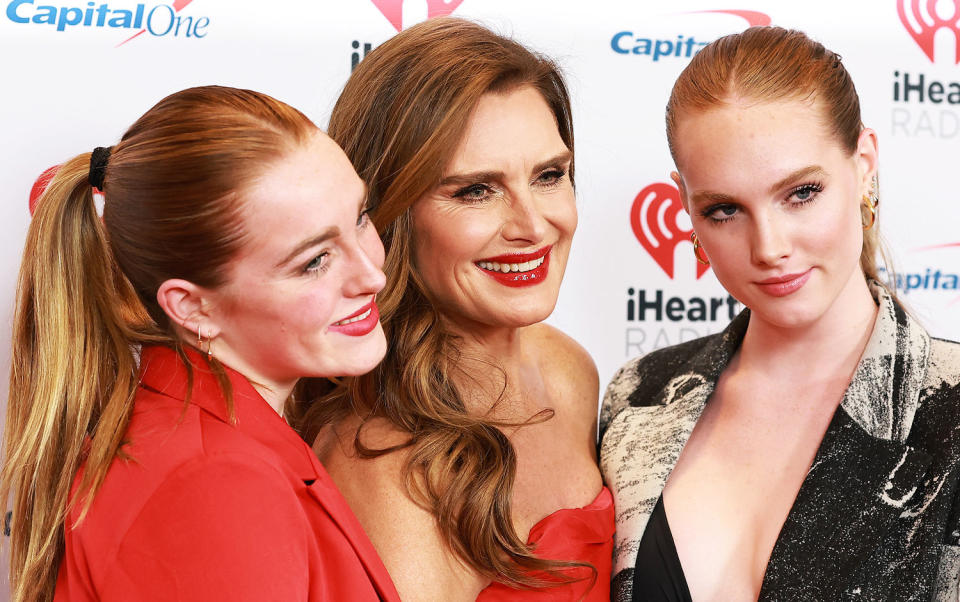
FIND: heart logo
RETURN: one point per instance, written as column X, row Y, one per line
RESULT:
column 393, row 9
column 653, row 218
column 923, row 25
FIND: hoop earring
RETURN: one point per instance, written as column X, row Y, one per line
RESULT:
column 209, row 350
column 871, row 201
column 698, row 249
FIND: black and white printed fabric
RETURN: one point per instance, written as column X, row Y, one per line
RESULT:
column 877, row 516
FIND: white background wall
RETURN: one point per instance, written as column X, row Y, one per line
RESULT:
column 69, row 91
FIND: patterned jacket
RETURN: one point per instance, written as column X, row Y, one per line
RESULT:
column 877, row 516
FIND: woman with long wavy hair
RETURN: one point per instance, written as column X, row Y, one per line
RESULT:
column 154, row 352
column 469, row 454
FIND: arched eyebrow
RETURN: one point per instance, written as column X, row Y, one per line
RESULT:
column 331, row 232
column 462, row 179
column 705, row 196
column 800, row 174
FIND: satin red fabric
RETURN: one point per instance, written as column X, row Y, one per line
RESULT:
column 577, row 534
column 207, row 509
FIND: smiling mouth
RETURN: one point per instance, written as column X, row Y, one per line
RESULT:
column 506, row 268
column 518, row 269
column 357, row 318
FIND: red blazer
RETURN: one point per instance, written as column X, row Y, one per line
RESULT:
column 209, row 510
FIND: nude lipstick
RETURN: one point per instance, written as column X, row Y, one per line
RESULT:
column 781, row 286
column 518, row 269
column 359, row 323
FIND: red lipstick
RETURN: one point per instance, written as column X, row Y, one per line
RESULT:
column 522, row 269
column 370, row 317
column 781, row 286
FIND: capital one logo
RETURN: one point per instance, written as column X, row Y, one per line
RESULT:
column 653, row 218
column 922, row 22
column 393, row 10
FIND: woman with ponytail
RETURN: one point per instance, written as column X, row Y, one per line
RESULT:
column 155, row 350
column 469, row 454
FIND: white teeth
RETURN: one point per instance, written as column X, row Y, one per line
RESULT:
column 526, row 266
column 362, row 316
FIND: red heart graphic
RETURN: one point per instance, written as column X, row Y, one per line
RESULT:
column 653, row 218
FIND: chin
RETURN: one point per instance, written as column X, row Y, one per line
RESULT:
column 357, row 362
column 788, row 315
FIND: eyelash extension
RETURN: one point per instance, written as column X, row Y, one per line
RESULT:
column 557, row 174
column 708, row 212
column 814, row 188
column 463, row 193
column 321, row 267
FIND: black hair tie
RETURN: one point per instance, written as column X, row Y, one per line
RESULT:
column 98, row 166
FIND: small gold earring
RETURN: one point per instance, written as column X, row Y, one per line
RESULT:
column 871, row 201
column 209, row 350
column 698, row 249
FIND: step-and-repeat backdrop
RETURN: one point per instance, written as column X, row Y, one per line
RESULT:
column 76, row 73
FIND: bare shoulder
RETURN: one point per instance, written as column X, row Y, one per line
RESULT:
column 568, row 365
column 404, row 534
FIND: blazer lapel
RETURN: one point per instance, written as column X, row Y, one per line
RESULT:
column 325, row 492
column 856, row 489
column 864, row 476
column 641, row 447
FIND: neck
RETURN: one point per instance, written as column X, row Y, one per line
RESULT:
column 492, row 364
column 273, row 392
column 834, row 342
column 274, row 395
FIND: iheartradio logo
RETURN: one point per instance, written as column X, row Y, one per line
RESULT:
column 653, row 218
column 922, row 21
column 404, row 13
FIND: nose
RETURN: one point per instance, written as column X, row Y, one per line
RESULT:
column 770, row 242
column 524, row 219
column 365, row 274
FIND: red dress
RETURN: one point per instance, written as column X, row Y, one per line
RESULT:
column 209, row 510
column 577, row 534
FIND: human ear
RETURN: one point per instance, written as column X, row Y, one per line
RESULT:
column 867, row 157
column 186, row 304
column 678, row 180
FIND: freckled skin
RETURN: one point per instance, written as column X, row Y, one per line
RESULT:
column 273, row 321
column 741, row 149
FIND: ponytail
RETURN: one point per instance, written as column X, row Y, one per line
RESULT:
column 87, row 296
column 73, row 374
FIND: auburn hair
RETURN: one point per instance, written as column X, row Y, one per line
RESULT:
column 399, row 119
column 772, row 64
column 87, row 289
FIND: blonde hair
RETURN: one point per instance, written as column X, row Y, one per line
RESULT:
column 87, row 289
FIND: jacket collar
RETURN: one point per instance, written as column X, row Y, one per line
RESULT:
column 884, row 394
column 162, row 371
column 864, row 477
column 882, row 398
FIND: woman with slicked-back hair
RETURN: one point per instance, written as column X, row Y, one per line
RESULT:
column 810, row 451
column 469, row 454
column 155, row 352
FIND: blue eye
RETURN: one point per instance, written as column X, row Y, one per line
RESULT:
column 474, row 193
column 318, row 263
column 720, row 213
column 806, row 193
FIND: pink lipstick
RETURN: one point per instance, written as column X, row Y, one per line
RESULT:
column 359, row 323
column 781, row 286
column 518, row 269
